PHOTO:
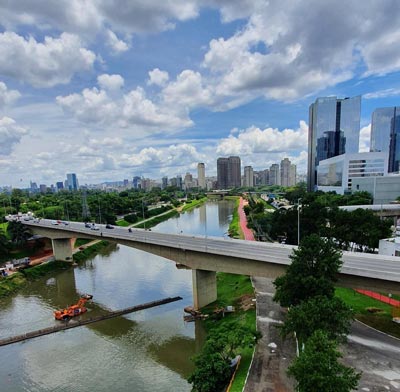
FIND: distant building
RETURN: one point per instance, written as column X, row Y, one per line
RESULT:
column 274, row 175
column 201, row 175
column 72, row 182
column 59, row 185
column 334, row 129
column 385, row 135
column 338, row 173
column 293, row 175
column 383, row 189
column 179, row 182
column 248, row 177
column 188, row 181
column 228, row 172
column 164, row 182
column 136, row 182
column 34, row 188
column 126, row 183
column 43, row 188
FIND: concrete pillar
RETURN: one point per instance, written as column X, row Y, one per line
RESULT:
column 204, row 287
column 62, row 249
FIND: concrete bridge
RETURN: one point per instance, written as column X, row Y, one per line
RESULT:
column 208, row 255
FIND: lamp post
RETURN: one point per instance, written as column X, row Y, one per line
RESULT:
column 144, row 222
column 298, row 221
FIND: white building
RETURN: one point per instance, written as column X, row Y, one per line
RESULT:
column 337, row 173
column 201, row 175
column 248, row 176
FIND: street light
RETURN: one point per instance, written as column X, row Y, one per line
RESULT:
column 298, row 221
column 144, row 221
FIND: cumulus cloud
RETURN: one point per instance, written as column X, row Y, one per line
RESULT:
column 365, row 138
column 254, row 140
column 10, row 134
column 158, row 77
column 110, row 82
column 116, row 44
column 43, row 64
column 7, row 96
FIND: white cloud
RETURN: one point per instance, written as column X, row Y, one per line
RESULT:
column 116, row 45
column 365, row 137
column 389, row 92
column 43, row 64
column 110, row 82
column 254, row 140
column 158, row 77
column 7, row 96
column 10, row 134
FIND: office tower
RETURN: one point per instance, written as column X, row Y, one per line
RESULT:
column 222, row 173
column 43, row 188
column 179, row 182
column 34, row 187
column 334, row 129
column 136, row 183
column 285, row 171
column 248, row 176
column 234, row 172
column 274, row 175
column 126, row 183
column 292, row 175
column 72, row 181
column 228, row 172
column 188, row 181
column 201, row 175
column 385, row 135
column 164, row 182
column 59, row 185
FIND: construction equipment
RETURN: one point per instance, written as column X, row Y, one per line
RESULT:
column 73, row 310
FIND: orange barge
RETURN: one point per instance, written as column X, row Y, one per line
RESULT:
column 73, row 310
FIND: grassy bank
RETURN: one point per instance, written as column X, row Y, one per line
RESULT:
column 193, row 204
column 13, row 283
column 380, row 319
column 3, row 226
column 238, row 291
column 90, row 251
column 156, row 220
column 122, row 223
column 81, row 241
column 234, row 227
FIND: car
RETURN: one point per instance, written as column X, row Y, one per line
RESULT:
column 108, row 226
column 53, row 222
column 65, row 223
column 94, row 228
column 88, row 225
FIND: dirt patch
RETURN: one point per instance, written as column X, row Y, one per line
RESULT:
column 246, row 302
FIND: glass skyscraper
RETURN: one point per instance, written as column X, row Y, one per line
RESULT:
column 334, row 129
column 385, row 135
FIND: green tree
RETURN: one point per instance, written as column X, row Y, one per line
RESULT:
column 317, row 369
column 331, row 315
column 4, row 250
column 18, row 232
column 312, row 272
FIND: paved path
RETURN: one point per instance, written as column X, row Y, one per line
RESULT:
column 248, row 233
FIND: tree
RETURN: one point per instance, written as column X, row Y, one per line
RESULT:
column 3, row 243
column 317, row 368
column 18, row 232
column 331, row 315
column 313, row 272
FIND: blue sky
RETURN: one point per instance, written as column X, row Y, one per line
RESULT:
column 114, row 89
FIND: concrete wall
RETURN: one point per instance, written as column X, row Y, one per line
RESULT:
column 62, row 249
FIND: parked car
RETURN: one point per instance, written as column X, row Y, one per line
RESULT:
column 54, row 222
column 88, row 225
column 108, row 226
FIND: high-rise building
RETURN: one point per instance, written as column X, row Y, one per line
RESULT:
column 34, row 187
column 385, row 135
column 72, row 182
column 188, row 181
column 59, row 185
column 293, row 175
column 334, row 129
column 201, row 175
column 179, row 181
column 274, row 175
column 248, row 177
column 285, row 172
column 43, row 188
column 136, row 182
column 228, row 172
column 164, row 182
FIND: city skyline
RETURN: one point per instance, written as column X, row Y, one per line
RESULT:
column 143, row 90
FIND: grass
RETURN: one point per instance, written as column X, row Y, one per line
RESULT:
column 230, row 289
column 234, row 227
column 3, row 226
column 81, row 241
column 193, row 204
column 360, row 303
column 122, row 223
column 90, row 251
column 156, row 220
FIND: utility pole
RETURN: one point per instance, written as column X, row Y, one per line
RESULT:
column 298, row 221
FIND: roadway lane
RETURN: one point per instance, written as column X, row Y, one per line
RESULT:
column 357, row 264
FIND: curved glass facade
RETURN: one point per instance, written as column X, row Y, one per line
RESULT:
column 334, row 129
column 385, row 135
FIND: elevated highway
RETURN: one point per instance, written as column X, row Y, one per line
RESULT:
column 207, row 255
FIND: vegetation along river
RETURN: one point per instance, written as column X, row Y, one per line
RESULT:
column 145, row 351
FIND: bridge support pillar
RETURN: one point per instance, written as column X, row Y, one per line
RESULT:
column 62, row 249
column 204, row 287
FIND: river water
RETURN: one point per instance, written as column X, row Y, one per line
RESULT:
column 145, row 351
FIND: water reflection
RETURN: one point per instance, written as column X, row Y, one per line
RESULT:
column 144, row 351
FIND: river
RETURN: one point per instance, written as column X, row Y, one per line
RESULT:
column 145, row 351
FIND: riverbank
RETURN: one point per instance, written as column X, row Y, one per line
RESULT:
column 234, row 230
column 193, row 204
